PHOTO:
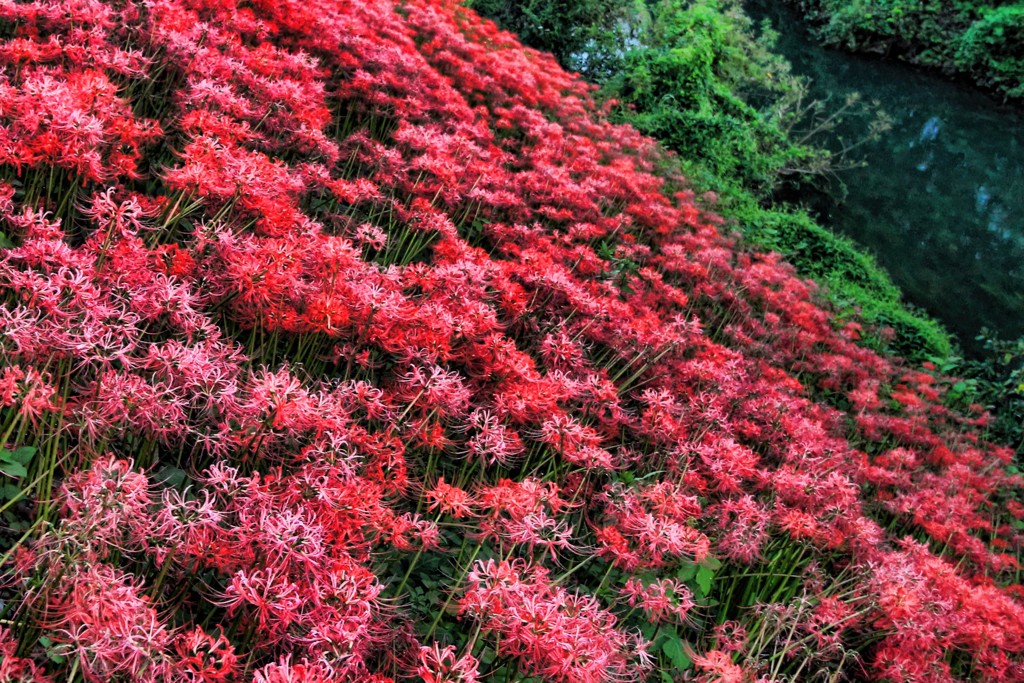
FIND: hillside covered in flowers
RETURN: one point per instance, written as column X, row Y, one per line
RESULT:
column 347, row 340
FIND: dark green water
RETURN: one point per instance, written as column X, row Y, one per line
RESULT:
column 941, row 202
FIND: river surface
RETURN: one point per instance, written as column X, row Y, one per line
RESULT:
column 941, row 201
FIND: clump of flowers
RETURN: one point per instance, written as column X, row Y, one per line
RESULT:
column 349, row 341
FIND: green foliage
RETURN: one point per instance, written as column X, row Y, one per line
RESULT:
column 672, row 648
column 702, row 84
column 583, row 35
column 979, row 39
column 14, row 463
column 992, row 49
column 14, row 471
column 996, row 381
column 870, row 21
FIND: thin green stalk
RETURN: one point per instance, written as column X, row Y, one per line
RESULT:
column 451, row 594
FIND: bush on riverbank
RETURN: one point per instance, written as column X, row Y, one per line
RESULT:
column 701, row 83
column 981, row 40
column 583, row 35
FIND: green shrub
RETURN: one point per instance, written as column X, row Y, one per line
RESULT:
column 702, row 84
column 992, row 49
column 583, row 35
column 982, row 40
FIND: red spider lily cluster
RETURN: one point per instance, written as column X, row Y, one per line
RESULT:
column 346, row 340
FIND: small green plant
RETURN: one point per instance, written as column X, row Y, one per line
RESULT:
column 14, row 464
column 14, row 470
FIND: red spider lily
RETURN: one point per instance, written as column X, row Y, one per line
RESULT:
column 664, row 600
column 205, row 658
column 449, row 500
column 439, row 665
column 556, row 634
column 719, row 667
column 108, row 626
column 286, row 671
column 14, row 668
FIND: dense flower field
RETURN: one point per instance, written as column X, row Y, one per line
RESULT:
column 346, row 340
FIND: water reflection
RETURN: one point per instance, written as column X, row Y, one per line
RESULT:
column 981, row 199
column 941, row 203
column 930, row 130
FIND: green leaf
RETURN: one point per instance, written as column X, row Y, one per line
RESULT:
column 171, row 477
column 48, row 646
column 13, row 469
column 686, row 573
column 659, row 638
column 704, row 576
column 712, row 563
column 673, row 649
column 22, row 455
